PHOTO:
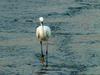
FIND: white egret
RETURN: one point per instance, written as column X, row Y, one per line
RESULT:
column 43, row 33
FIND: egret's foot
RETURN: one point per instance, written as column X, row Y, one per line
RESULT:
column 46, row 65
column 42, row 59
column 46, row 62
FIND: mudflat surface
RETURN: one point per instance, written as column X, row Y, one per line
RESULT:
column 74, row 47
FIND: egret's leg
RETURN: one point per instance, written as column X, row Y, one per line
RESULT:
column 47, row 54
column 41, row 49
column 42, row 55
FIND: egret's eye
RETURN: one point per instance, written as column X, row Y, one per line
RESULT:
column 41, row 19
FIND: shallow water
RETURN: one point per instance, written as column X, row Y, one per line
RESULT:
column 74, row 45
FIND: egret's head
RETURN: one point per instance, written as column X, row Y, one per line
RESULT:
column 41, row 19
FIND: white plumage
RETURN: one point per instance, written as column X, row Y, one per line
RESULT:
column 43, row 33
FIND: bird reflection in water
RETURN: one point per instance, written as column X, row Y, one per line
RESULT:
column 43, row 70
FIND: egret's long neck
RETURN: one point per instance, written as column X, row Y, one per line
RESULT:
column 41, row 23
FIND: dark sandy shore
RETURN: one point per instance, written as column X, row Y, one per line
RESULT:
column 75, row 48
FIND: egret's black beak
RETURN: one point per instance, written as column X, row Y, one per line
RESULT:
column 41, row 22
